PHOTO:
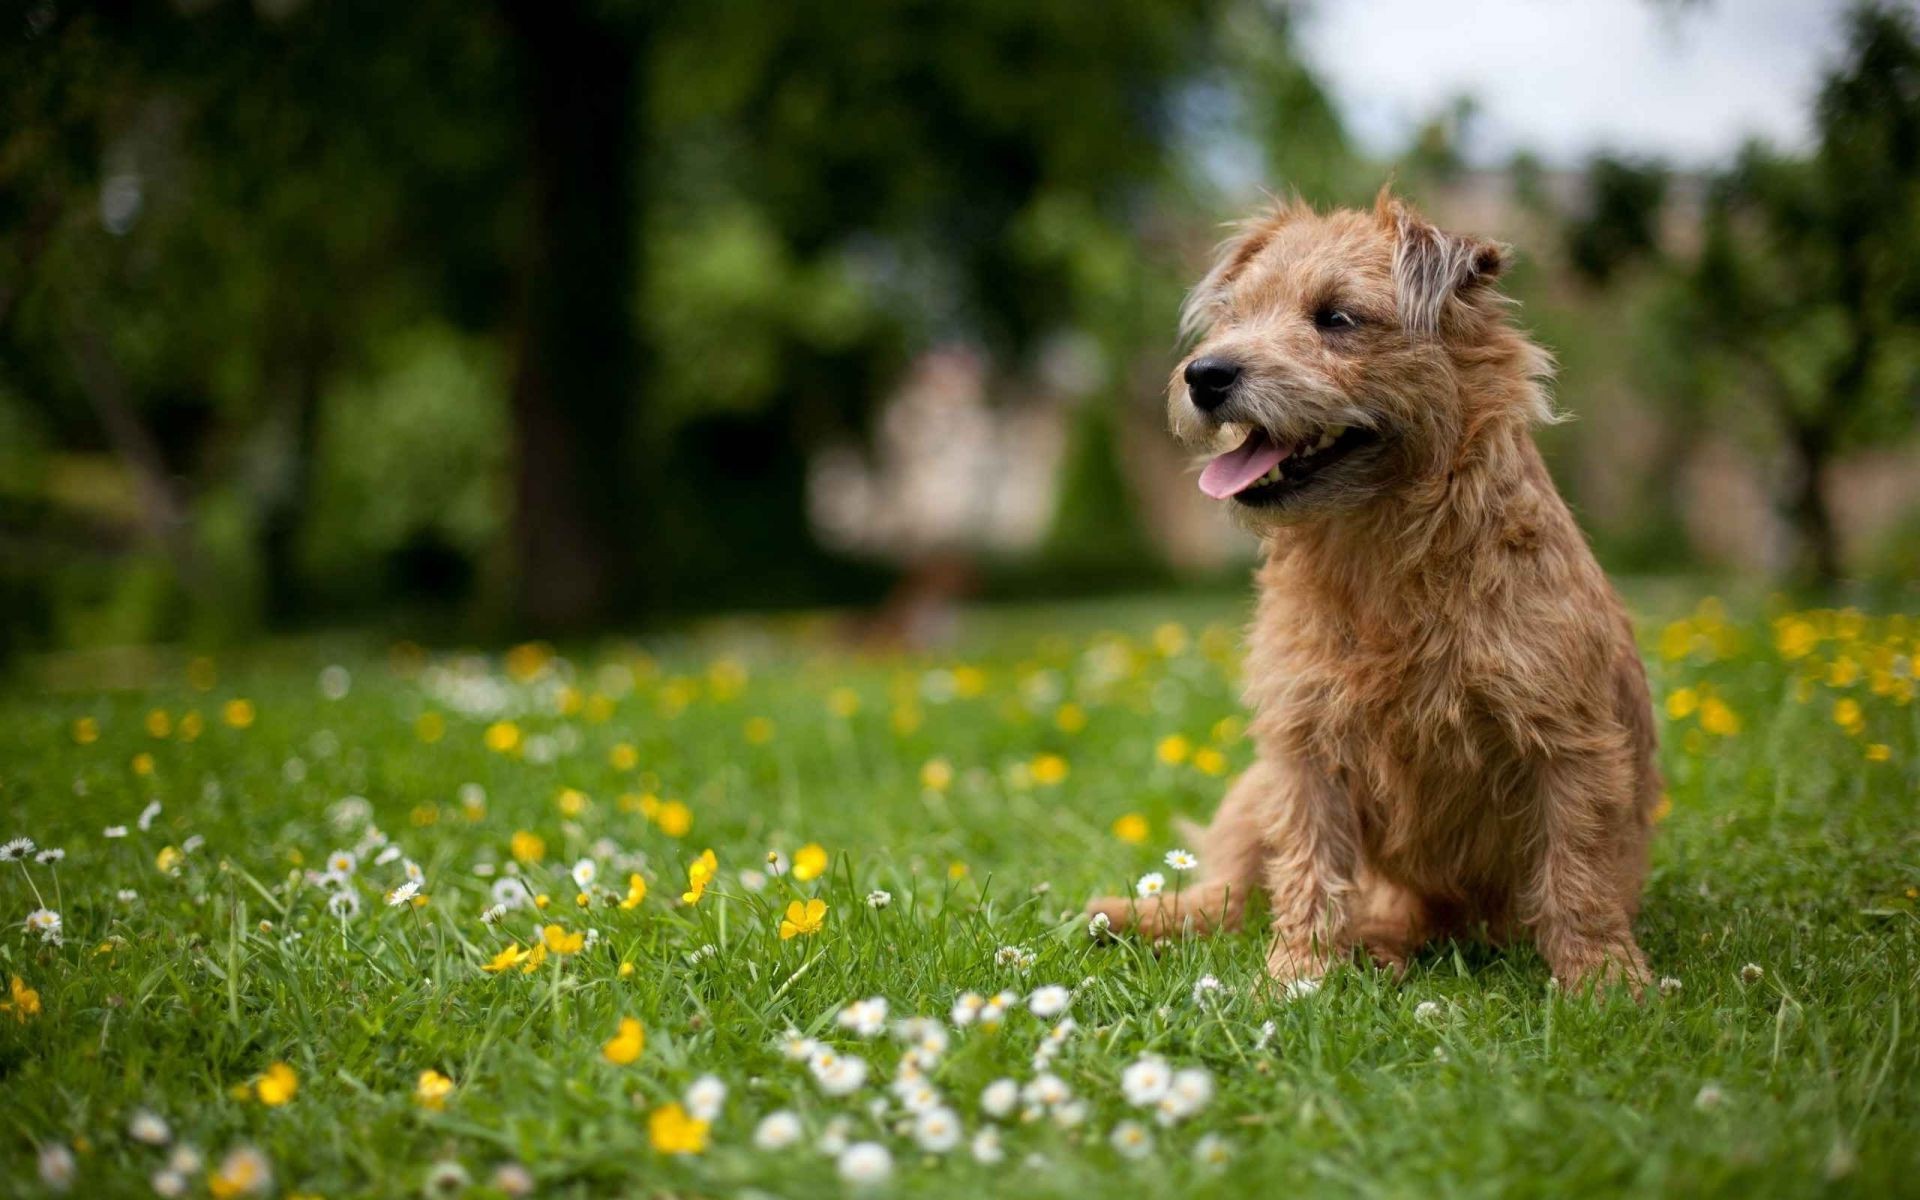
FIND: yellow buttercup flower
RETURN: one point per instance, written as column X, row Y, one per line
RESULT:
column 243, row 1172
column 506, row 960
column 1070, row 718
column 674, row 818
column 191, row 725
column 672, row 1131
column 1173, row 749
column 625, row 1046
column 502, row 737
column 803, row 920
column 559, row 941
column 1209, row 761
column 1131, row 829
column 159, row 723
column 535, row 957
column 238, row 713
column 623, row 757
column 759, row 730
column 571, row 801
column 1716, row 718
column 1848, row 715
column 277, row 1086
column 143, row 763
column 430, row 727
column 636, row 892
column 168, row 860
column 528, row 848
column 809, row 862
column 24, row 1003
column 432, row 1090
column 700, row 872
column 1049, row 769
column 843, row 702
column 936, row 774
column 1879, row 752
column 1682, row 702
column 86, row 731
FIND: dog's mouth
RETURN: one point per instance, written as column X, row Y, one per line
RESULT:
column 1262, row 470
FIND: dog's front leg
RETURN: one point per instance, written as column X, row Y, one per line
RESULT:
column 1576, row 909
column 1312, row 846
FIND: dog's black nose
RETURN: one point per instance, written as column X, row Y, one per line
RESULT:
column 1210, row 381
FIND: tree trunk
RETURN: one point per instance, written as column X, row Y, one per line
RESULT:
column 574, row 385
column 1816, row 550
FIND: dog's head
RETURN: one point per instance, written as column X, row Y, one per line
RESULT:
column 1328, row 353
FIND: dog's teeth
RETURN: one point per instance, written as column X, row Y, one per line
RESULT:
column 1326, row 439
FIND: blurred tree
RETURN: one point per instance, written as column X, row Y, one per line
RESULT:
column 1805, row 292
column 1622, row 220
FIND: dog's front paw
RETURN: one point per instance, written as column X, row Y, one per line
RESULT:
column 1599, row 967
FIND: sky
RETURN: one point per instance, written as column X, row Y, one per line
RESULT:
column 1684, row 80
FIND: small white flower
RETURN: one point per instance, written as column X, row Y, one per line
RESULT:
column 1751, row 973
column 56, row 1164
column 1187, row 1093
column 344, row 904
column 184, row 1159
column 1709, row 1097
column 1130, row 1139
column 1099, row 926
column 446, row 1178
column 402, row 894
column 865, row 1163
column 966, row 1009
column 193, row 842
column 998, row 1098
column 386, row 856
column 343, row 862
column 777, row 1131
column 705, row 1097
column 1267, row 1030
column 1151, row 884
column 916, row 1095
column 1181, row 860
column 937, row 1130
column 1428, row 1011
column 796, row 1047
column 509, row 891
column 147, row 815
column 46, row 923
column 925, row 1038
column 16, row 850
column 864, row 1018
column 843, row 1076
column 1145, row 1080
column 114, row 831
column 493, row 915
column 986, row 1146
column 879, row 898
column 1669, row 986
column 149, row 1128
column 335, row 682
column 833, row 1139
column 584, row 873
column 753, row 881
column 1212, row 1152
column 1300, row 989
column 126, row 895
column 1017, row 957
column 1204, row 987
column 1049, row 1091
column 168, row 1183
column 49, row 856
column 413, row 871
column 512, row 1179
column 1049, row 1002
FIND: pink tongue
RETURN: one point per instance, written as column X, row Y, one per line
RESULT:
column 1238, row 469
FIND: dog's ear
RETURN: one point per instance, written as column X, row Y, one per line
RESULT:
column 1431, row 266
column 1230, row 257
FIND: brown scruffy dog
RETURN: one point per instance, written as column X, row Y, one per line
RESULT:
column 1452, row 721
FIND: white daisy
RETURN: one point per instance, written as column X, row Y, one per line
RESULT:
column 1049, row 1002
column 1709, row 1097
column 148, row 1127
column 865, row 1164
column 1427, row 1010
column 1204, row 987
column 56, row 1166
column 114, row 831
column 584, row 873
column 493, row 915
column 777, row 1131
column 511, row 892
column 46, row 923
column 925, row 1038
column 998, row 1098
column 167, row 1183
column 1145, row 1080
column 16, row 850
column 1181, row 860
column 1048, row 1091
column 937, row 1130
column 413, row 871
column 833, row 1139
column 1130, row 1139
column 193, row 842
column 343, row 862
column 1070, row 1115
column 1300, row 989
column 446, row 1179
column 402, row 894
column 1151, row 884
column 796, row 1047
column 986, row 1146
column 126, row 895
column 147, row 815
column 879, row 898
column 1212, row 1151
column 966, row 1009
column 49, row 856
column 705, row 1097
column 865, row 1018
column 344, row 904
column 842, row 1076
column 1187, row 1093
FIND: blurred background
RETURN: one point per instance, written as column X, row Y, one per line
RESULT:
column 480, row 318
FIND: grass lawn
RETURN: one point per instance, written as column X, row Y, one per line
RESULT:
column 209, row 975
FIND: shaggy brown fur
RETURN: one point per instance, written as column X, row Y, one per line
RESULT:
column 1452, row 721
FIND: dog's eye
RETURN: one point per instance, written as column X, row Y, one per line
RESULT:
column 1329, row 317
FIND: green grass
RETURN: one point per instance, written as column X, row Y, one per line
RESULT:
column 1786, row 848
